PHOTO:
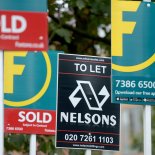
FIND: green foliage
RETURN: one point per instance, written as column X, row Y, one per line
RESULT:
column 18, row 142
column 46, row 144
column 76, row 152
column 74, row 25
column 66, row 34
column 137, row 142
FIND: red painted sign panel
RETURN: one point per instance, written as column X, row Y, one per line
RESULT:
column 30, row 121
column 23, row 30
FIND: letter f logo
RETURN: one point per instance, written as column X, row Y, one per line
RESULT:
column 11, row 69
column 120, row 27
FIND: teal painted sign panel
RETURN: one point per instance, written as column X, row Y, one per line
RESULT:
column 24, row 5
column 35, row 88
column 133, row 73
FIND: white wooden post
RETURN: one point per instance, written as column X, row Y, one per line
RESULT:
column 147, row 131
column 88, row 152
column 147, row 122
column 33, row 139
column 1, row 103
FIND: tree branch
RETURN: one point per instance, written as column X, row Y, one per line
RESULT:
column 81, row 33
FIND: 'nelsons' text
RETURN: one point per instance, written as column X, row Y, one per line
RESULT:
column 88, row 118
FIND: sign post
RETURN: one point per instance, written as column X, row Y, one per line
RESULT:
column 147, row 130
column 88, row 152
column 1, row 104
column 147, row 122
column 33, row 146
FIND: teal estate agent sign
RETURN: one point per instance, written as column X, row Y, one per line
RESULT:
column 133, row 70
column 30, row 92
column 24, row 5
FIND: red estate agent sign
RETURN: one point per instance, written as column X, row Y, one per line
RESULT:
column 23, row 30
column 30, row 90
column 30, row 121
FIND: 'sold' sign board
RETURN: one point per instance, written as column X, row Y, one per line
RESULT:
column 23, row 26
column 86, row 118
column 30, row 92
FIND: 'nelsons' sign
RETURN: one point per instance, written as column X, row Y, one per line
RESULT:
column 86, row 118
